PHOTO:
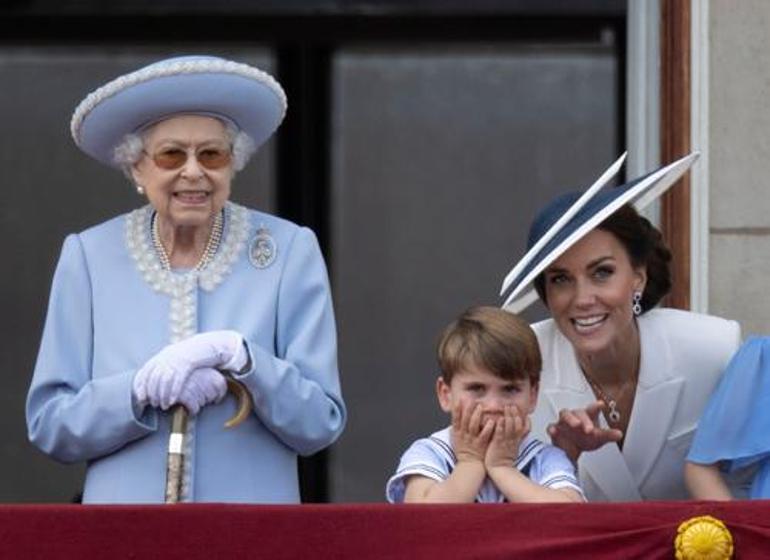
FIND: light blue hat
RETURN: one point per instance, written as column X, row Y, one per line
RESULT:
column 246, row 96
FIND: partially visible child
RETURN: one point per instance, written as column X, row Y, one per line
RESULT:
column 733, row 438
column 490, row 369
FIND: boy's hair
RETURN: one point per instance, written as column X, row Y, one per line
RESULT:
column 494, row 339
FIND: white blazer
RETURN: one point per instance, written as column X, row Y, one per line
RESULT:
column 682, row 357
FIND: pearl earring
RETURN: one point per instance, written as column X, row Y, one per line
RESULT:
column 140, row 190
column 636, row 301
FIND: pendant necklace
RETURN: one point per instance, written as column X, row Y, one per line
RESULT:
column 614, row 414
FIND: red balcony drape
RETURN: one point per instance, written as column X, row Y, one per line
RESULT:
column 371, row 531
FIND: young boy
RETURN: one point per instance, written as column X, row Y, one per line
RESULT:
column 490, row 369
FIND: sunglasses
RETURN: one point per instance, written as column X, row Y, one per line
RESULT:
column 174, row 158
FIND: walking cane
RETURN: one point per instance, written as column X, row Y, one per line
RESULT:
column 175, row 467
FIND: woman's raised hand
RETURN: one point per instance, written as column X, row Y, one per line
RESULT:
column 578, row 430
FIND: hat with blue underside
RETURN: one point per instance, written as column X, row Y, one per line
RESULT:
column 569, row 217
column 207, row 85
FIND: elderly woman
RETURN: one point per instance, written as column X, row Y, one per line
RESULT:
column 623, row 384
column 155, row 308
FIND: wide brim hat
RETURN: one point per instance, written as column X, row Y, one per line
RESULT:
column 206, row 85
column 568, row 218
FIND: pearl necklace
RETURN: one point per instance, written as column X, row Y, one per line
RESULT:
column 215, row 236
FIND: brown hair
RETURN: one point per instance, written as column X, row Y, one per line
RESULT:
column 645, row 247
column 492, row 338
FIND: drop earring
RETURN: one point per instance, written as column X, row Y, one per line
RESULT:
column 636, row 303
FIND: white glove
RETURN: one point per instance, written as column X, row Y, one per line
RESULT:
column 204, row 386
column 159, row 382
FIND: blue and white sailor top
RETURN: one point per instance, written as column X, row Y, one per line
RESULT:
column 433, row 457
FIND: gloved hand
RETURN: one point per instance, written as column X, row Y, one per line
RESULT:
column 159, row 382
column 204, row 386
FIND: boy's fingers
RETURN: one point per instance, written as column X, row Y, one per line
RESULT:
column 516, row 424
column 527, row 424
column 489, row 430
column 457, row 416
column 478, row 422
column 508, row 419
column 465, row 416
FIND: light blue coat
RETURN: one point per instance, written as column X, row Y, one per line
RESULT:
column 105, row 320
column 734, row 429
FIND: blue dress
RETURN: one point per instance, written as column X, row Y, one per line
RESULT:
column 112, row 307
column 735, row 427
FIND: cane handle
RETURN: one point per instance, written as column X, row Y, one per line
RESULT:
column 244, row 402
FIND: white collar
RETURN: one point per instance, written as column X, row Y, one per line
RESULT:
column 139, row 244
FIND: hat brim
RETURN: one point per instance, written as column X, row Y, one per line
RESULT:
column 244, row 95
column 608, row 174
column 639, row 193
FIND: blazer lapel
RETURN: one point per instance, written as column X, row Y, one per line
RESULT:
column 655, row 404
column 609, row 471
column 606, row 467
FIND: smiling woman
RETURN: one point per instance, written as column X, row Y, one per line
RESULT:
column 155, row 313
column 588, row 289
column 623, row 384
column 187, row 181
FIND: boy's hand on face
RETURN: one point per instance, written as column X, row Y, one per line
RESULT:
column 470, row 432
column 510, row 430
